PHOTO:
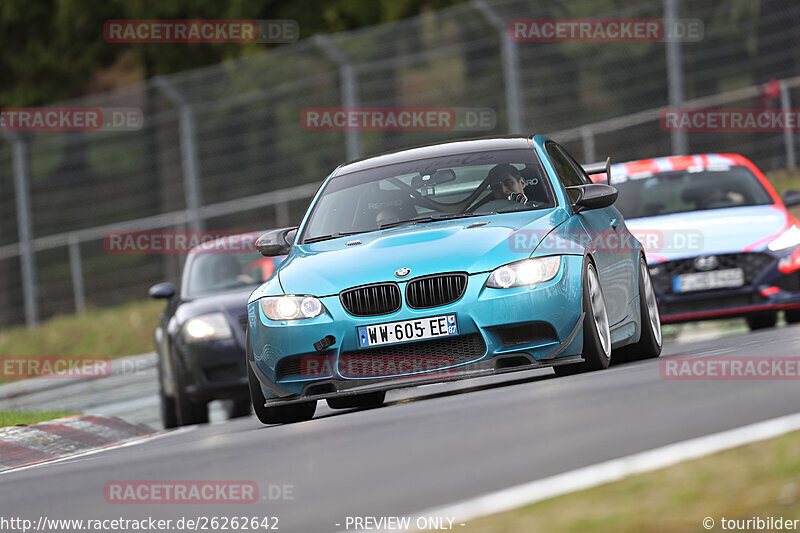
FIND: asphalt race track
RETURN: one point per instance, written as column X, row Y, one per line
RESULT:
column 452, row 442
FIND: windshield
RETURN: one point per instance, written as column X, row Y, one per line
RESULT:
column 428, row 190
column 213, row 273
column 665, row 193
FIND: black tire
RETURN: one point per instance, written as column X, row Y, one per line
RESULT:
column 281, row 414
column 364, row 401
column 650, row 340
column 596, row 356
column 762, row 320
column 168, row 415
column 792, row 316
column 188, row 412
column 169, row 418
column 240, row 407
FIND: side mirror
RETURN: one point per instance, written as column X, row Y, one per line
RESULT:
column 276, row 242
column 594, row 196
column 162, row 291
column 791, row 198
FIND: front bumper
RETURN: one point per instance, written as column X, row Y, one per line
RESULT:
column 772, row 284
column 506, row 329
column 214, row 370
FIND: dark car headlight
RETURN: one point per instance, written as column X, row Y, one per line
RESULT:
column 525, row 272
column 207, row 327
column 291, row 307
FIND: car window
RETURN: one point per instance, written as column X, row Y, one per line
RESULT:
column 664, row 193
column 212, row 273
column 565, row 170
column 452, row 185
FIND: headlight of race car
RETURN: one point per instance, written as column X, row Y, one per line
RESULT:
column 207, row 327
column 526, row 272
column 291, row 307
column 787, row 239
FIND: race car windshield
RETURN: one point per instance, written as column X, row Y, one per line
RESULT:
column 214, row 273
column 429, row 190
column 666, row 193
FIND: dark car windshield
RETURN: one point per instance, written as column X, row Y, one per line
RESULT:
column 213, row 273
column 665, row 193
column 427, row 190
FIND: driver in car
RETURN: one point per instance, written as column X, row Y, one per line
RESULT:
column 507, row 183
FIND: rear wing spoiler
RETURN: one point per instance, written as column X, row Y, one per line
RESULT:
column 599, row 168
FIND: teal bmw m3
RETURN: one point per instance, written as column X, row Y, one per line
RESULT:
column 446, row 262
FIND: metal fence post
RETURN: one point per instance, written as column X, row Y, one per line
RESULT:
column 189, row 158
column 349, row 87
column 788, row 133
column 679, row 139
column 76, row 269
column 19, row 153
column 514, row 106
column 588, row 144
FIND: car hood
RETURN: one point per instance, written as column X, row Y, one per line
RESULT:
column 715, row 231
column 328, row 267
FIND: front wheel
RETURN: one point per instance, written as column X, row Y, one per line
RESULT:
column 792, row 316
column 596, row 332
column 763, row 320
column 650, row 340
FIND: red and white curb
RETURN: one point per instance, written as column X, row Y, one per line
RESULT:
column 54, row 439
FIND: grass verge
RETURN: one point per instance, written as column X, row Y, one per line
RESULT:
column 757, row 480
column 16, row 418
column 113, row 332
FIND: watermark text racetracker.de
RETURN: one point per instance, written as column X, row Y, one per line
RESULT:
column 71, row 119
column 14, row 367
column 398, row 119
column 179, row 242
column 546, row 30
column 176, row 31
column 729, row 120
column 730, row 368
column 654, row 241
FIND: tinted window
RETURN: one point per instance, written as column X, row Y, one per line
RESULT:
column 567, row 173
column 665, row 193
column 451, row 185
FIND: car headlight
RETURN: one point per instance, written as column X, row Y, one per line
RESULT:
column 207, row 327
column 787, row 239
column 291, row 307
column 526, row 272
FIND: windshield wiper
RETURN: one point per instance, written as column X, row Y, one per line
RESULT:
column 434, row 218
column 331, row 236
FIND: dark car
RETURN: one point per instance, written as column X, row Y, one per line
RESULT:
column 201, row 337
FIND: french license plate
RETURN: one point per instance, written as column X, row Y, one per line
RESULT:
column 716, row 279
column 407, row 330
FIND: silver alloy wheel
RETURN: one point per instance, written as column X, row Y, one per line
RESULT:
column 599, row 311
column 650, row 301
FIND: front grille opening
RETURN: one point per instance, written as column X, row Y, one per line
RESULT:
column 323, row 388
column 752, row 263
column 223, row 373
column 529, row 333
column 435, row 291
column 371, row 300
column 306, row 366
column 243, row 322
column 412, row 357
column 512, row 361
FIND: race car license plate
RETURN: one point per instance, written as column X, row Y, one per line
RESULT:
column 407, row 330
column 702, row 281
